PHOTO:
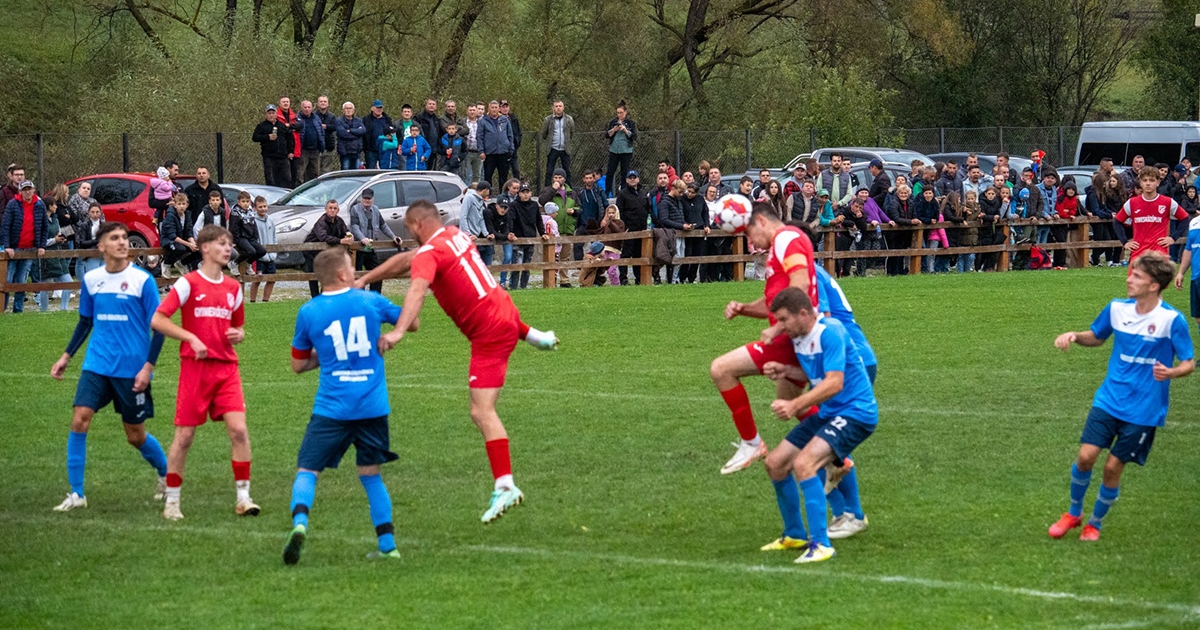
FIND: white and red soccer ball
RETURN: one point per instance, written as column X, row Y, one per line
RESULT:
column 732, row 213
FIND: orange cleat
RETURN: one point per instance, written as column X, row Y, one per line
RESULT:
column 1064, row 525
column 1089, row 533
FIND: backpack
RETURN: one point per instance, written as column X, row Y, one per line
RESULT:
column 1038, row 258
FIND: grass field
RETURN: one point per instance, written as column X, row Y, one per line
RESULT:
column 617, row 439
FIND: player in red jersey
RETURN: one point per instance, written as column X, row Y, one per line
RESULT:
column 789, row 263
column 209, row 382
column 1149, row 214
column 448, row 263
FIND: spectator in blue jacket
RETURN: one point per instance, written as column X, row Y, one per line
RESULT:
column 388, row 148
column 451, row 149
column 350, row 132
column 496, row 142
column 21, row 212
column 415, row 150
column 312, row 142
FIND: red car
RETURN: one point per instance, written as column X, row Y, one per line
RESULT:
column 124, row 197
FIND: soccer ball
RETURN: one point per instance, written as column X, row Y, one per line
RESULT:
column 733, row 214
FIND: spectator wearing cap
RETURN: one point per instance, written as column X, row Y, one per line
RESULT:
column 1175, row 183
column 495, row 143
column 499, row 222
column 621, row 133
column 290, row 125
column 367, row 226
column 471, row 221
column 560, row 193
column 592, row 203
column 350, row 132
column 695, row 213
column 881, row 182
column 276, row 145
column 23, row 227
column 633, row 207
column 556, row 132
column 505, row 110
column 375, row 122
column 327, row 119
column 431, row 129
column 312, row 142
column 796, row 181
column 387, row 146
column 527, row 223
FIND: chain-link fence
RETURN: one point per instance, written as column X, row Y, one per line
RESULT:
column 50, row 158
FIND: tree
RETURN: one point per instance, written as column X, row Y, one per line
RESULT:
column 1167, row 50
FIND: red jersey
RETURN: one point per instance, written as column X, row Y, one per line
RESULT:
column 460, row 281
column 790, row 250
column 1151, row 220
column 210, row 307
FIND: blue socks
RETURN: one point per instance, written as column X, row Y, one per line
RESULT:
column 848, row 487
column 1079, row 486
column 788, row 497
column 303, row 491
column 815, row 506
column 152, row 452
column 1107, row 497
column 381, row 511
column 76, row 460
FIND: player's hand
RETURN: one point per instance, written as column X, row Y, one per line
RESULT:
column 1161, row 372
column 235, row 335
column 1131, row 246
column 733, row 309
column 775, row 370
column 388, row 340
column 769, row 334
column 1179, row 281
column 142, row 380
column 199, row 348
column 1064, row 341
column 1166, row 241
column 545, row 237
column 60, row 366
column 783, row 409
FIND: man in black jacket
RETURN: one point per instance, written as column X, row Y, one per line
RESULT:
column 516, row 132
column 276, row 145
column 635, row 212
column 329, row 157
column 881, row 184
column 431, row 128
column 527, row 223
column 331, row 230
column 375, row 122
column 198, row 193
column 695, row 213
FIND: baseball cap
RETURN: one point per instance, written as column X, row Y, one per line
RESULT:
column 822, row 193
column 876, row 162
column 271, row 107
column 25, row 184
column 377, row 103
column 503, row 102
column 632, row 174
column 368, row 194
column 1181, row 169
column 550, row 208
column 524, row 188
column 800, row 167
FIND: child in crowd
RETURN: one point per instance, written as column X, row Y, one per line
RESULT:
column 163, row 187
column 388, row 146
column 244, row 228
column 1066, row 208
column 451, row 147
column 266, row 236
column 550, row 224
column 179, row 246
column 970, row 211
column 415, row 150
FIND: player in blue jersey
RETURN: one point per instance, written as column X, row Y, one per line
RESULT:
column 1148, row 336
column 1189, row 251
column 841, row 485
column 338, row 332
column 847, row 416
column 116, row 304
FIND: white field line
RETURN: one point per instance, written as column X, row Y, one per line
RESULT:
column 1188, row 610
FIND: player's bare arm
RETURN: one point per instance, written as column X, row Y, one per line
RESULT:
column 756, row 309
column 163, row 324
column 300, row 366
column 413, row 301
column 235, row 335
column 393, row 267
column 826, row 389
column 1084, row 338
column 797, row 278
column 777, row 371
column 1185, row 263
column 1163, row 373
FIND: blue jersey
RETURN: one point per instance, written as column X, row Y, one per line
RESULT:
column 833, row 301
column 343, row 329
column 1129, row 391
column 1193, row 245
column 829, row 348
column 121, row 306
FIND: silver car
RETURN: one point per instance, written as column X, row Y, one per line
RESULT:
column 298, row 210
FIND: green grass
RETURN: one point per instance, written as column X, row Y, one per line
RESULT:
column 617, row 439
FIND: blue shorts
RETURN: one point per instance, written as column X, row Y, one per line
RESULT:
column 1125, row 441
column 96, row 391
column 842, row 434
column 265, row 266
column 1195, row 291
column 326, row 440
column 871, row 370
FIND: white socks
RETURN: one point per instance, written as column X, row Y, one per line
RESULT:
column 504, row 482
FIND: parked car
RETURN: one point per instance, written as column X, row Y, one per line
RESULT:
column 987, row 161
column 1166, row 141
column 125, row 198
column 854, row 155
column 296, row 212
column 270, row 193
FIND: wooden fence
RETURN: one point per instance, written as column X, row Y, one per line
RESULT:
column 1078, row 247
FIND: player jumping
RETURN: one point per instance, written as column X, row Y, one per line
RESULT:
column 210, row 385
column 448, row 263
column 847, row 416
column 1148, row 335
column 116, row 302
column 342, row 326
column 789, row 264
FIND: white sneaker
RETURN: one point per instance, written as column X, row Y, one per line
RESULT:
column 166, row 272
column 183, row 271
column 160, row 490
column 233, row 270
column 501, row 501
column 746, row 454
column 246, row 507
column 72, row 501
column 846, row 526
column 171, row 511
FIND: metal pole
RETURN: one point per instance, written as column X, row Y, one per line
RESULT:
column 125, row 152
column 537, row 160
column 749, row 153
column 1062, row 149
column 812, row 139
column 41, row 164
column 678, row 151
column 1001, row 128
column 220, row 158
column 942, row 139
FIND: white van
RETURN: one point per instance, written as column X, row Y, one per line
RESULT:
column 1156, row 141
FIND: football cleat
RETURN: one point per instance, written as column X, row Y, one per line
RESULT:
column 834, row 474
column 502, row 500
column 1090, row 533
column 160, row 490
column 72, row 501
column 384, row 555
column 1064, row 525
column 784, row 543
column 171, row 511
column 745, row 455
column 548, row 341
column 291, row 551
column 816, row 553
column 246, row 507
column 846, row 526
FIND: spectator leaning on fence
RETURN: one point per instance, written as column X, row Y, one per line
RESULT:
column 331, row 230
column 312, row 143
column 266, row 236
column 66, row 215
column 244, row 230
column 368, row 227
column 560, row 193
column 670, row 222
column 499, row 222
column 350, row 137
column 276, row 146
column 54, row 269
column 374, row 122
column 556, row 132
column 471, row 220
column 695, row 214
column 900, row 211
column 592, row 202
column 22, row 228
column 621, row 133
column 632, row 205
column 328, row 162
column 881, row 182
column 527, row 223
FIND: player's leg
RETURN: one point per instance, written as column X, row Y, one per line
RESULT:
column 1132, row 444
column 779, row 464
column 135, row 408
column 812, row 458
column 727, row 371
column 325, row 441
column 176, row 462
column 304, row 489
column 853, row 519
column 372, row 449
column 191, row 410
column 239, row 441
column 1098, row 434
column 505, row 493
column 81, row 421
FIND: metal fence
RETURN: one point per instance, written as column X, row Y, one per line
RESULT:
column 50, row 158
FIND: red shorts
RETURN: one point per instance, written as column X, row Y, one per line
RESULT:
column 207, row 389
column 490, row 348
column 780, row 350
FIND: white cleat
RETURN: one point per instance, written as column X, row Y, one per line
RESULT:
column 745, row 455
column 171, row 511
column 502, row 500
column 544, row 341
column 160, row 490
column 846, row 526
column 247, row 507
column 72, row 501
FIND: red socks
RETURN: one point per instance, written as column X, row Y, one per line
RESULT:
column 497, row 452
column 522, row 330
column 743, row 417
column 241, row 472
column 174, row 480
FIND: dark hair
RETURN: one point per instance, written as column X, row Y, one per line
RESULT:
column 1002, row 155
column 92, row 203
column 169, row 163
column 764, row 209
column 259, row 199
column 835, row 154
column 15, row 167
column 792, row 300
column 622, row 105
column 217, row 193
column 110, row 226
column 1162, row 165
column 745, row 179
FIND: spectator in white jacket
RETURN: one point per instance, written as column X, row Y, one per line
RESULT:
column 266, row 236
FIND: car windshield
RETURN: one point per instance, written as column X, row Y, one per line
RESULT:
column 906, row 157
column 318, row 191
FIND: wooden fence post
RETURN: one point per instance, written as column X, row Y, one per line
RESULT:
column 830, row 245
column 549, row 276
column 3, row 280
column 1078, row 258
column 739, row 248
column 914, row 262
column 1002, row 265
column 648, row 254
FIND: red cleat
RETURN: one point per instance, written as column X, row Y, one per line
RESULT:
column 1064, row 525
column 1089, row 533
